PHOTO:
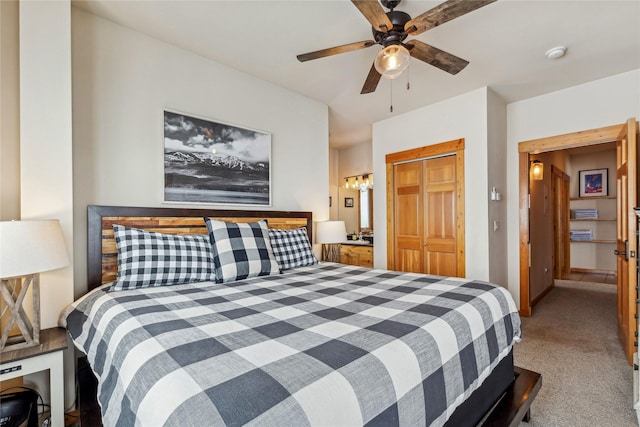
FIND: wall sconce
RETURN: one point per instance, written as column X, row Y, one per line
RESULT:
column 28, row 249
column 330, row 234
column 537, row 170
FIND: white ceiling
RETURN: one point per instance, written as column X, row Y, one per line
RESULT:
column 504, row 42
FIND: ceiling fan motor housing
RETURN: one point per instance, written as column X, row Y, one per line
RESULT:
column 390, row 4
column 397, row 34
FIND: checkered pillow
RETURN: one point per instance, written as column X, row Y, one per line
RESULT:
column 291, row 248
column 241, row 250
column 148, row 259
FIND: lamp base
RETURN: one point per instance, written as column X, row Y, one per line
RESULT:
column 14, row 291
column 331, row 252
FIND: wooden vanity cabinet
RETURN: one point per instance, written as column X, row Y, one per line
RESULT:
column 360, row 255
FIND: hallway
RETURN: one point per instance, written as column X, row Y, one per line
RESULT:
column 571, row 340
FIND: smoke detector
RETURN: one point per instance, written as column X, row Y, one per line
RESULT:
column 556, row 52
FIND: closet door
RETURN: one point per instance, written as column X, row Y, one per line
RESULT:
column 408, row 218
column 425, row 209
column 440, row 219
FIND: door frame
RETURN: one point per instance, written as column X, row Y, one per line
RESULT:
column 561, row 222
column 454, row 147
column 535, row 146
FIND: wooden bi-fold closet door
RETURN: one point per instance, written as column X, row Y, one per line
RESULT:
column 425, row 216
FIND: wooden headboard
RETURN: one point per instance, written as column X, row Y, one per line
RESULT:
column 102, row 255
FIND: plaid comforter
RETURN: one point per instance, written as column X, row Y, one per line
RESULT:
column 329, row 345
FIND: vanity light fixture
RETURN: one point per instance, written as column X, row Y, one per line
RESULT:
column 362, row 182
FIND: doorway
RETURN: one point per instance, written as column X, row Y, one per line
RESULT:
column 625, row 137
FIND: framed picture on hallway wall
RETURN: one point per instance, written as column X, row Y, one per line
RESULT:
column 594, row 183
column 207, row 161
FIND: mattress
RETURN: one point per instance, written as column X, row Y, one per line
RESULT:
column 322, row 345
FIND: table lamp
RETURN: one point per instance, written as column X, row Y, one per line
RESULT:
column 330, row 234
column 27, row 248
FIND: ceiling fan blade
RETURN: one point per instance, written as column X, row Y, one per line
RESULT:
column 436, row 57
column 371, row 83
column 375, row 14
column 442, row 13
column 335, row 50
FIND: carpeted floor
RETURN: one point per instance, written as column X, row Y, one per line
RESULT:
column 571, row 340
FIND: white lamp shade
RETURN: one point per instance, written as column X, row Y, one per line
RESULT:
column 331, row 232
column 31, row 246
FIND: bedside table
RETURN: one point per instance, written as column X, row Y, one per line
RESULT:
column 46, row 356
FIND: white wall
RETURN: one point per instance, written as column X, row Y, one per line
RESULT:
column 463, row 116
column 334, row 182
column 46, row 182
column 122, row 81
column 9, row 112
column 45, row 135
column 592, row 105
column 355, row 160
column 497, row 177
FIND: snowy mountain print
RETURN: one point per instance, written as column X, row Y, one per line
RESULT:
column 209, row 162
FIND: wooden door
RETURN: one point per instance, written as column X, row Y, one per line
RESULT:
column 440, row 221
column 626, row 239
column 560, row 192
column 408, row 218
column 408, row 231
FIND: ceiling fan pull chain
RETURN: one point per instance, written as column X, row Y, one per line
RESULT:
column 408, row 77
column 391, row 96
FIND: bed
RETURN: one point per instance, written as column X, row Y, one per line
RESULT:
column 319, row 344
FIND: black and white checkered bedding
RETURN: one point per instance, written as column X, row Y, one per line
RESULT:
column 328, row 345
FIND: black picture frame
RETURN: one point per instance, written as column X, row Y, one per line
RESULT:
column 348, row 202
column 593, row 183
column 213, row 162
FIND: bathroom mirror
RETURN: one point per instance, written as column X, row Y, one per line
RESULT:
column 355, row 208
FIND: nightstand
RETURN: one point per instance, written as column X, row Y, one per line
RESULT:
column 46, row 356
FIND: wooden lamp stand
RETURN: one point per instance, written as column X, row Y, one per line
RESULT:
column 14, row 291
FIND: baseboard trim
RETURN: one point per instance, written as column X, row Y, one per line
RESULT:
column 591, row 271
column 542, row 295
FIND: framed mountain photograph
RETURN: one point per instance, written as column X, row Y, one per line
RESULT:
column 207, row 161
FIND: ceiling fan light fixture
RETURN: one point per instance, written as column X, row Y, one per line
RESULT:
column 392, row 61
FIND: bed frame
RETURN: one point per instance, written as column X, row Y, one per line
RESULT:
column 504, row 399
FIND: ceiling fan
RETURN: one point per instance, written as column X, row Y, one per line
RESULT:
column 390, row 29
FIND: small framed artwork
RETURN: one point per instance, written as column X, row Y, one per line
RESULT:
column 594, row 182
column 348, row 202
